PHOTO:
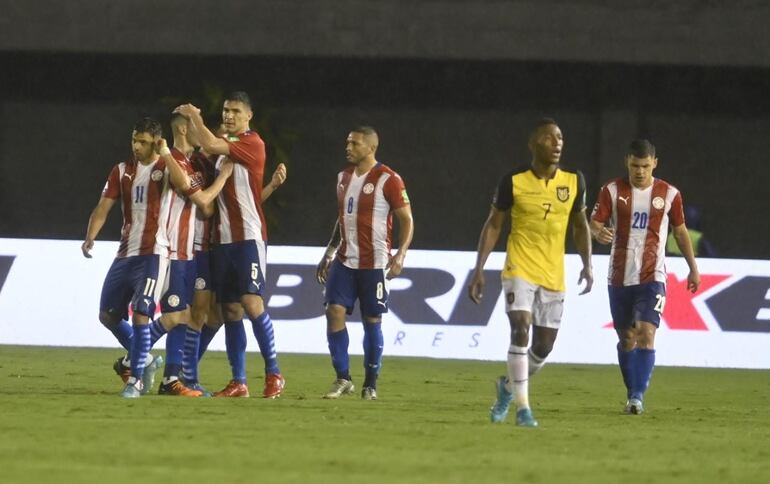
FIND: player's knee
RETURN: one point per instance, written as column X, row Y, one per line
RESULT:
column 232, row 312
column 108, row 320
column 646, row 338
column 253, row 306
column 335, row 318
column 542, row 349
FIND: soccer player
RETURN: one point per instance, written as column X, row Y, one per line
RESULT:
column 238, row 262
column 136, row 275
column 368, row 195
column 540, row 200
column 634, row 214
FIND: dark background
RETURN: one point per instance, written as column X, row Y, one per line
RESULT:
column 453, row 87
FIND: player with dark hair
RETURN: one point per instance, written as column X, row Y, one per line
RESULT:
column 541, row 200
column 368, row 195
column 238, row 261
column 633, row 214
column 136, row 275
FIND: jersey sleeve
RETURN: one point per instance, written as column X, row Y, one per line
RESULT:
column 676, row 214
column 580, row 199
column 603, row 208
column 247, row 150
column 395, row 192
column 503, row 198
column 112, row 187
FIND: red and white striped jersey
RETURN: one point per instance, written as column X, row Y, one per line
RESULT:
column 641, row 219
column 240, row 202
column 180, row 224
column 203, row 176
column 141, row 189
column 365, row 204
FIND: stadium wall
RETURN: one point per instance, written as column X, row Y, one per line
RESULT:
column 49, row 295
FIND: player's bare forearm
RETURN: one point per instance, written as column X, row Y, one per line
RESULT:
column 204, row 199
column 490, row 234
column 682, row 237
column 322, row 269
column 179, row 179
column 209, row 142
column 279, row 176
column 582, row 237
column 405, row 228
column 96, row 222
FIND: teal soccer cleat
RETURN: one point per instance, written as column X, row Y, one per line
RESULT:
column 524, row 418
column 499, row 410
column 132, row 389
column 148, row 378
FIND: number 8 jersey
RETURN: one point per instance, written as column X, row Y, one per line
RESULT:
column 540, row 211
column 640, row 219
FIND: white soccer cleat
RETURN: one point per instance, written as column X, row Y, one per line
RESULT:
column 340, row 387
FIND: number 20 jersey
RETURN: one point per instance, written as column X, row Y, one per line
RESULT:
column 640, row 219
column 540, row 211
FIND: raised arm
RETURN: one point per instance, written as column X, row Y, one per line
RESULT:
column 490, row 234
column 279, row 176
column 405, row 234
column 204, row 199
column 208, row 141
column 322, row 270
column 682, row 237
column 179, row 177
column 581, row 234
column 95, row 224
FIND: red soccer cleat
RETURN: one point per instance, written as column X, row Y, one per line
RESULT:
column 274, row 384
column 177, row 388
column 233, row 389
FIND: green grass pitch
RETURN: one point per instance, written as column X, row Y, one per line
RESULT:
column 61, row 420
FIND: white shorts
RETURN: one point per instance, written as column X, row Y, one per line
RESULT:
column 545, row 305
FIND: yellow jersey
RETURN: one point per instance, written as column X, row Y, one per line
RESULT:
column 540, row 211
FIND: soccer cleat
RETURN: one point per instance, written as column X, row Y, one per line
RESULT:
column 177, row 388
column 368, row 393
column 132, row 389
column 148, row 378
column 499, row 410
column 524, row 418
column 198, row 387
column 123, row 371
column 233, row 389
column 340, row 387
column 274, row 384
column 634, row 406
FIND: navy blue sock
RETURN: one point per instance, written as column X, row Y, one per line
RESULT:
column 645, row 364
column 373, row 344
column 263, row 331
column 235, row 340
column 207, row 334
column 140, row 348
column 338, row 349
column 192, row 341
column 123, row 332
column 156, row 332
column 625, row 359
column 175, row 350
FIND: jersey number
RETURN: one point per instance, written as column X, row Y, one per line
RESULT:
column 547, row 207
column 661, row 303
column 139, row 194
column 640, row 220
column 350, row 205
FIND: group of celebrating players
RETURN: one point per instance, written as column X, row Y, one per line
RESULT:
column 194, row 238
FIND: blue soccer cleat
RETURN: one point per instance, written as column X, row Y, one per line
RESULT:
column 524, row 418
column 148, row 378
column 499, row 410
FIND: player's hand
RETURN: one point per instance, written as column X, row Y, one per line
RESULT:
column 322, row 269
column 586, row 275
column 476, row 288
column 160, row 144
column 395, row 265
column 187, row 110
column 226, row 168
column 693, row 281
column 605, row 235
column 86, row 248
column 279, row 176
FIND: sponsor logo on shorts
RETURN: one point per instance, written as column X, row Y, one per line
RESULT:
column 200, row 284
column 173, row 300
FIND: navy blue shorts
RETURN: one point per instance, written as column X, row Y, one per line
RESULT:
column 238, row 269
column 641, row 302
column 131, row 279
column 203, row 271
column 178, row 293
column 344, row 285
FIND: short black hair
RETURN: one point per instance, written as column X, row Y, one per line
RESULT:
column 544, row 122
column 641, row 148
column 364, row 130
column 148, row 125
column 239, row 96
column 177, row 118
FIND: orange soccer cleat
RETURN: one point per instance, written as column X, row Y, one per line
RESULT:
column 177, row 388
column 233, row 389
column 274, row 384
